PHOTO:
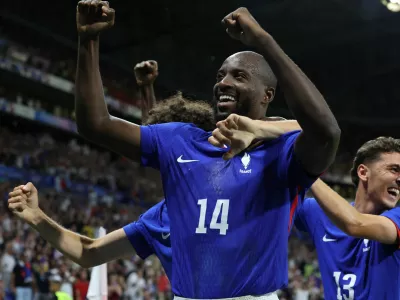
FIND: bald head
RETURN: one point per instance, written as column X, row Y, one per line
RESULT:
column 257, row 65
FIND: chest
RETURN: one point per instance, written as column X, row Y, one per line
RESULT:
column 352, row 266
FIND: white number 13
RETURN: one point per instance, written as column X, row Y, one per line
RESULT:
column 221, row 208
column 351, row 279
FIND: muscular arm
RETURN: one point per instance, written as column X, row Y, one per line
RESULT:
column 316, row 146
column 80, row 249
column 92, row 116
column 149, row 98
column 349, row 220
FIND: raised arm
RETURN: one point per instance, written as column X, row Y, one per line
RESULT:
column 146, row 73
column 92, row 116
column 86, row 252
column 316, row 146
column 349, row 220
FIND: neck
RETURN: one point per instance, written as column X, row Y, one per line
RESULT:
column 365, row 204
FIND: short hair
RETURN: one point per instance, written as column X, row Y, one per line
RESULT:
column 179, row 109
column 371, row 151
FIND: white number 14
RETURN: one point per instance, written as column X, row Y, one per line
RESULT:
column 221, row 208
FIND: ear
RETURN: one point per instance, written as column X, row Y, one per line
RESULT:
column 269, row 94
column 363, row 173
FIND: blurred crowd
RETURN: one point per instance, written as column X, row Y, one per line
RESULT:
column 30, row 266
column 77, row 162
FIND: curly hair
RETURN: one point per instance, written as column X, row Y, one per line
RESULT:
column 179, row 109
column 371, row 151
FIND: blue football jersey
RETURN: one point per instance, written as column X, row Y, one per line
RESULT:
column 351, row 268
column 150, row 235
column 229, row 219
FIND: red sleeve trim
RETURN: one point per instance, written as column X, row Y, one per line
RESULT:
column 398, row 233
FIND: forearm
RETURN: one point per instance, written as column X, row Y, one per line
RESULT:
column 274, row 129
column 90, row 106
column 72, row 245
column 149, row 99
column 303, row 98
column 339, row 211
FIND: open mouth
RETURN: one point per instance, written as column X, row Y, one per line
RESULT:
column 226, row 98
column 394, row 192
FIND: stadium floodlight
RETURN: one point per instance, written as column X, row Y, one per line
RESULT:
column 392, row 5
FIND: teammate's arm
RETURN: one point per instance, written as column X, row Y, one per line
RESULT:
column 316, row 146
column 92, row 116
column 349, row 220
column 86, row 252
column 242, row 133
column 146, row 73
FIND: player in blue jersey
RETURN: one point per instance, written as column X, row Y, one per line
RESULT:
column 357, row 244
column 149, row 235
column 219, row 209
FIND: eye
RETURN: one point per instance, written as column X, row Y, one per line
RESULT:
column 220, row 76
column 240, row 75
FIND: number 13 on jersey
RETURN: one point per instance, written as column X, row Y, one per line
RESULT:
column 221, row 209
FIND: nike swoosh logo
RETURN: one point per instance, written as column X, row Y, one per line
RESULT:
column 325, row 239
column 183, row 161
column 165, row 236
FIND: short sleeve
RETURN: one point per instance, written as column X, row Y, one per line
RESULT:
column 394, row 216
column 290, row 168
column 137, row 237
column 306, row 216
column 147, row 235
column 155, row 141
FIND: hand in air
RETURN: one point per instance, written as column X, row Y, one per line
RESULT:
column 24, row 203
column 242, row 26
column 146, row 72
column 236, row 132
column 93, row 16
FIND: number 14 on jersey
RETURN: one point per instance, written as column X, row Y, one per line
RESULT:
column 221, row 209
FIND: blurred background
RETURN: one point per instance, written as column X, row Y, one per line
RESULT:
column 349, row 49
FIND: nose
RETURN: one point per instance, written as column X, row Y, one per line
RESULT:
column 225, row 83
column 398, row 181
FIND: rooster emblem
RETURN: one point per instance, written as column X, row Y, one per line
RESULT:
column 245, row 160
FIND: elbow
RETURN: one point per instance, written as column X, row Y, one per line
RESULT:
column 333, row 134
column 90, row 129
column 90, row 255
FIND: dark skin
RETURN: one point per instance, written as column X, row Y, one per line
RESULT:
column 92, row 116
column 146, row 73
column 239, row 77
column 316, row 146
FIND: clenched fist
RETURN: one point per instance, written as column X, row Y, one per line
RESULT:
column 146, row 72
column 242, row 26
column 93, row 16
column 24, row 203
column 236, row 132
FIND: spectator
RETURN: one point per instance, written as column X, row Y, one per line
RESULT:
column 81, row 286
column 7, row 265
column 22, row 279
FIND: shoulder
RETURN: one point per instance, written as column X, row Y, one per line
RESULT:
column 157, row 215
column 173, row 127
column 393, row 214
column 310, row 205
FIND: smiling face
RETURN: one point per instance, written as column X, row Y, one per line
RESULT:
column 381, row 179
column 376, row 172
column 245, row 86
